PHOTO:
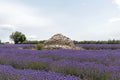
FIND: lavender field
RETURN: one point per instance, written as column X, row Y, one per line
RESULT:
column 99, row 46
column 60, row 64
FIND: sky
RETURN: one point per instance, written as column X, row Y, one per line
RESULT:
column 76, row 19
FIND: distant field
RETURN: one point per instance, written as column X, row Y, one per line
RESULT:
column 97, row 62
column 99, row 46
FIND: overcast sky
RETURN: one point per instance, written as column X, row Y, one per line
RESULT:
column 77, row 19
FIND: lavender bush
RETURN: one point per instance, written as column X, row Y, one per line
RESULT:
column 99, row 46
column 9, row 73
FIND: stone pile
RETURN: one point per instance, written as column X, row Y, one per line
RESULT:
column 59, row 41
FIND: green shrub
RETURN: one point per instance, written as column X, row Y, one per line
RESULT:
column 34, row 42
column 40, row 47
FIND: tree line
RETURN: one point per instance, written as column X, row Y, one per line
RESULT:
column 20, row 38
column 98, row 42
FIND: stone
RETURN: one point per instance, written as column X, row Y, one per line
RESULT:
column 60, row 41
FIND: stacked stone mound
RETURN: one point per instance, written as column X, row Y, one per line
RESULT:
column 60, row 41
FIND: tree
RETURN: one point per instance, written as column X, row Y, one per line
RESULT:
column 18, row 37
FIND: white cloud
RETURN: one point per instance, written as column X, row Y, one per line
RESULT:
column 23, row 16
column 16, row 16
column 115, row 19
column 117, row 2
column 7, row 27
column 32, row 37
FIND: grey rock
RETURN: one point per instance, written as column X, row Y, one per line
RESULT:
column 60, row 41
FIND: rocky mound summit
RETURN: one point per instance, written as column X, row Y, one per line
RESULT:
column 59, row 41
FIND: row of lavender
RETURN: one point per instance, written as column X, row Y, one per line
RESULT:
column 99, row 46
column 87, row 64
column 9, row 73
column 23, row 46
column 86, row 46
